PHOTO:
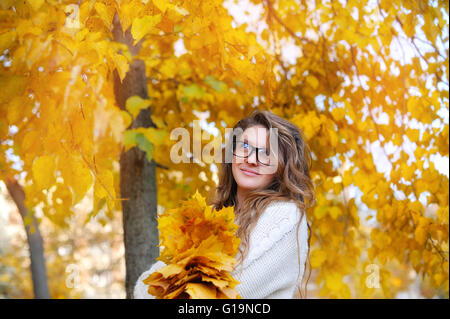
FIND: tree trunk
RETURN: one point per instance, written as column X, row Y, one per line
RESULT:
column 137, row 174
column 35, row 242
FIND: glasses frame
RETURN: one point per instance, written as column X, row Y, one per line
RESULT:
column 252, row 148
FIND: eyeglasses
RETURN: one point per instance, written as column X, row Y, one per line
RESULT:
column 243, row 149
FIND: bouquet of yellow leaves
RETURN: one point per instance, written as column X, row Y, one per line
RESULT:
column 199, row 249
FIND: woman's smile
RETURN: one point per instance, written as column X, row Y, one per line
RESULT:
column 249, row 172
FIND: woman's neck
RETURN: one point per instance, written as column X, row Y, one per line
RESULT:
column 240, row 196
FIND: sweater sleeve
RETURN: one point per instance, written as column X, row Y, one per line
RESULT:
column 141, row 289
column 271, row 269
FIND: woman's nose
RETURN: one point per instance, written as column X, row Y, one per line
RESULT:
column 252, row 158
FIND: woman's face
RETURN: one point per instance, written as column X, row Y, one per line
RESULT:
column 248, row 173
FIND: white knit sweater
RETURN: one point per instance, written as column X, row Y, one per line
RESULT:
column 271, row 269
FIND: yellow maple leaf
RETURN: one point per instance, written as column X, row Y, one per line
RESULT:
column 200, row 291
column 200, row 246
column 198, row 197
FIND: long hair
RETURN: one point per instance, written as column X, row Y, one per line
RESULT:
column 291, row 182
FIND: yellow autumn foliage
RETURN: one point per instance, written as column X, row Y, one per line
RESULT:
column 362, row 79
column 199, row 246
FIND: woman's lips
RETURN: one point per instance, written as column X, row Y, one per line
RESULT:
column 248, row 172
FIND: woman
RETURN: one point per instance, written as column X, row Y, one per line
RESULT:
column 270, row 187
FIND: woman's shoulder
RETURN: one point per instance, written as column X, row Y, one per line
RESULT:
column 277, row 220
column 279, row 211
column 283, row 215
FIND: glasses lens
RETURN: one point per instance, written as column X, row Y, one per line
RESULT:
column 242, row 149
column 264, row 156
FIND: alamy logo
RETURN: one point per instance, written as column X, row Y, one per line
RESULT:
column 73, row 19
column 212, row 152
column 73, row 278
column 373, row 279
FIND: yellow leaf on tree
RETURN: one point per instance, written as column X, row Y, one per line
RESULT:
column 155, row 136
column 413, row 134
column 318, row 256
column 43, row 171
column 135, row 104
column 15, row 109
column 118, row 122
column 104, row 184
column 420, row 234
column 312, row 80
column 320, row 211
column 335, row 212
column 163, row 5
column 333, row 281
column 36, row 4
column 338, row 113
column 121, row 64
column 142, row 26
column 7, row 39
column 105, row 13
column 77, row 175
column 414, row 107
column 408, row 171
column 159, row 122
column 31, row 141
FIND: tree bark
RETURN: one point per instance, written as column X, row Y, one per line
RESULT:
column 137, row 174
column 35, row 242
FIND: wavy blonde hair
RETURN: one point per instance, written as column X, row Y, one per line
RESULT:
column 292, row 181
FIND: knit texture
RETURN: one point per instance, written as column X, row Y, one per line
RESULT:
column 271, row 269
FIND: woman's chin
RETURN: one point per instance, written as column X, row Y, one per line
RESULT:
column 247, row 184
